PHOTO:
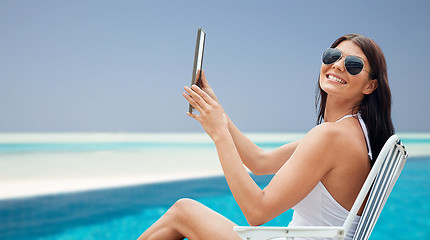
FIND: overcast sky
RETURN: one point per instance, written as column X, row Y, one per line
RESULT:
column 120, row 66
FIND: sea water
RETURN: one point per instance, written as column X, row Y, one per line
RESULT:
column 125, row 212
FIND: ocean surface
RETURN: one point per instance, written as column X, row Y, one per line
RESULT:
column 114, row 186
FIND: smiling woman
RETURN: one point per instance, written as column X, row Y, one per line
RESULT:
column 352, row 82
column 374, row 101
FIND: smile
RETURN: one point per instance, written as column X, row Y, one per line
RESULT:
column 333, row 78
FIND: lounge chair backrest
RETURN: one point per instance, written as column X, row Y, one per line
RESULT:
column 381, row 180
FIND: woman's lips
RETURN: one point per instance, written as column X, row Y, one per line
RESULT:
column 335, row 79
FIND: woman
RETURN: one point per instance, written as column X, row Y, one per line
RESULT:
column 320, row 175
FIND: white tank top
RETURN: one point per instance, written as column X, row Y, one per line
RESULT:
column 319, row 208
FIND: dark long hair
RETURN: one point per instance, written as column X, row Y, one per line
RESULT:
column 375, row 108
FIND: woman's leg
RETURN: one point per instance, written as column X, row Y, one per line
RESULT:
column 190, row 219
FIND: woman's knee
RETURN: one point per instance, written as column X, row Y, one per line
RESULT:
column 174, row 223
column 184, row 206
column 196, row 221
column 187, row 210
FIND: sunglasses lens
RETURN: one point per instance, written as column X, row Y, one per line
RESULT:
column 331, row 55
column 353, row 65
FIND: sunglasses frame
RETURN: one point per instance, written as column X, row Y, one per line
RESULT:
column 344, row 62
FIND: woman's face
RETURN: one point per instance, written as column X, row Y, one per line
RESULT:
column 336, row 81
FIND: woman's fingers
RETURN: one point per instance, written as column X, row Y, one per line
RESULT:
column 203, row 95
column 199, row 97
column 195, row 116
column 195, row 96
column 192, row 100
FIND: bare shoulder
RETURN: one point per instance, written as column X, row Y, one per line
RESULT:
column 334, row 140
column 317, row 146
column 329, row 134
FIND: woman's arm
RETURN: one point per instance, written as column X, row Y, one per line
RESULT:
column 307, row 166
column 309, row 163
column 253, row 157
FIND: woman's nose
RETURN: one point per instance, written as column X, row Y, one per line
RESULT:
column 340, row 64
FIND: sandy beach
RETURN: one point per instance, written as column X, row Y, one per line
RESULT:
column 43, row 173
column 35, row 173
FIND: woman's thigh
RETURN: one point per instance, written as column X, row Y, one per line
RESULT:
column 196, row 221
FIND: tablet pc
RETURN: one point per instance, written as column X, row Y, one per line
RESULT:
column 198, row 60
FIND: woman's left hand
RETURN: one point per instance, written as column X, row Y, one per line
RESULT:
column 212, row 116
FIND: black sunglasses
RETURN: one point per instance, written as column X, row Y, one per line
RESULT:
column 353, row 64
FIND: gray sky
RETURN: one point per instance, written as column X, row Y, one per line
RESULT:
column 121, row 65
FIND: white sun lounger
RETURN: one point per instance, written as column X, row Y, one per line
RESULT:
column 380, row 180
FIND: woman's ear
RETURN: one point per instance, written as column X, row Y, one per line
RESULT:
column 370, row 86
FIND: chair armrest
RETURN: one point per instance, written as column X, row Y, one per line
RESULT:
column 259, row 233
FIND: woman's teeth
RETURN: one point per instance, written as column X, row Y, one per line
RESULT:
column 336, row 79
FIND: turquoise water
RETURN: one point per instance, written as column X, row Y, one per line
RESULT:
column 124, row 213
column 28, row 147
